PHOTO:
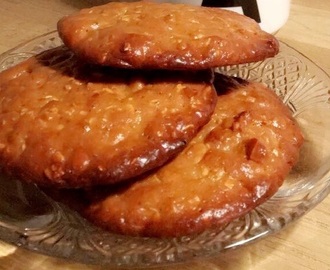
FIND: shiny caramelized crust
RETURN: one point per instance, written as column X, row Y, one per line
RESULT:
column 167, row 36
column 236, row 162
column 68, row 124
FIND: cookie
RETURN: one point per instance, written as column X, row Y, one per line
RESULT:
column 165, row 36
column 236, row 162
column 65, row 123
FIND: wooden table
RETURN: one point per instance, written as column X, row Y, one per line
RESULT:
column 304, row 245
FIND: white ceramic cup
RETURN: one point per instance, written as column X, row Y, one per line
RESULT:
column 270, row 14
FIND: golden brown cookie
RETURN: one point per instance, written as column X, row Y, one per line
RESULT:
column 236, row 162
column 166, row 36
column 69, row 124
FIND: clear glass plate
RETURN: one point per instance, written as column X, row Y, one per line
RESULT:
column 30, row 219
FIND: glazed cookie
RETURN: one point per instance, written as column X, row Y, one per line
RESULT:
column 235, row 163
column 166, row 36
column 66, row 123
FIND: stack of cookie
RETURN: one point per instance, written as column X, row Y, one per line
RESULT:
column 130, row 112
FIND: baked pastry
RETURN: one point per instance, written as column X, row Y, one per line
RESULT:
column 65, row 123
column 163, row 35
column 235, row 163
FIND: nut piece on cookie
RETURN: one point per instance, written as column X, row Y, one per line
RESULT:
column 165, row 36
